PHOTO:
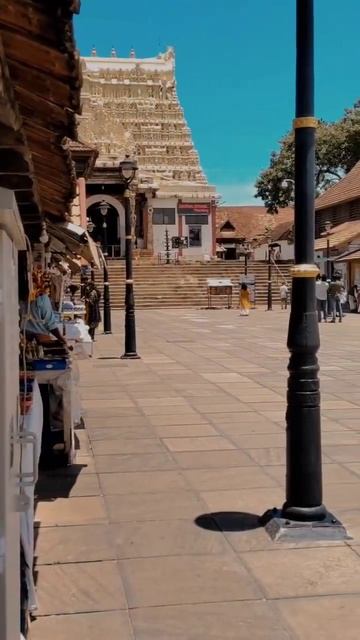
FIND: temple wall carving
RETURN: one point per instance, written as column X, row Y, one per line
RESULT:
column 131, row 106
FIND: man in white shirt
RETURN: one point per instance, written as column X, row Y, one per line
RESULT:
column 284, row 293
column 322, row 297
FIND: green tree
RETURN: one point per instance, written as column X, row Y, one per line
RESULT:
column 337, row 151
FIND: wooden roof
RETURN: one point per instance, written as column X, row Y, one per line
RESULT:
column 340, row 235
column 39, row 60
column 345, row 190
column 250, row 222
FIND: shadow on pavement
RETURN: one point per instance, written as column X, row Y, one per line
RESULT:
column 228, row 521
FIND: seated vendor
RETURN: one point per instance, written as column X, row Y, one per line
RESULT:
column 38, row 320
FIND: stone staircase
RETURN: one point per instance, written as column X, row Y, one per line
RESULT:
column 184, row 285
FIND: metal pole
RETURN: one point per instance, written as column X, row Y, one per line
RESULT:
column 130, row 329
column 303, row 438
column 269, row 292
column 328, row 265
column 107, row 303
column 167, row 246
column 246, row 264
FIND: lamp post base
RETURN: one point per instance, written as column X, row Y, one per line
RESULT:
column 130, row 356
column 107, row 333
column 283, row 529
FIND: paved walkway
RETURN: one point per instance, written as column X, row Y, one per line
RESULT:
column 197, row 426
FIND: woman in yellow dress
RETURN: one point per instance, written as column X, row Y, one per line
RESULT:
column 245, row 303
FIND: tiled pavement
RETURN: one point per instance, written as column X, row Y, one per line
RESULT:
column 197, row 426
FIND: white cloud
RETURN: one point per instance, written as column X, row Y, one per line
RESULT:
column 242, row 193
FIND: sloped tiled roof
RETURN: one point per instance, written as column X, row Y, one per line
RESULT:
column 343, row 191
column 340, row 235
column 251, row 222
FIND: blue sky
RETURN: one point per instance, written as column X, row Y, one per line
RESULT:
column 235, row 70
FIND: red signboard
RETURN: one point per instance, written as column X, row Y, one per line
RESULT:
column 193, row 207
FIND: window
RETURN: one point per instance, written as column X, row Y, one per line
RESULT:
column 194, row 236
column 163, row 216
column 194, row 218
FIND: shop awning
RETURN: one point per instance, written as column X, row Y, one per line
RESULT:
column 339, row 235
column 75, row 240
column 349, row 257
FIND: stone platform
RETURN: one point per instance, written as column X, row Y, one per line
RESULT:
column 153, row 535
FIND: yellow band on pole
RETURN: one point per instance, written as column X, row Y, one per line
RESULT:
column 129, row 281
column 304, row 271
column 305, row 122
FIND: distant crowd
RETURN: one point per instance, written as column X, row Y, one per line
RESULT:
column 331, row 298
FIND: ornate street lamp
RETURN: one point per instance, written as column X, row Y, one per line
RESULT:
column 304, row 499
column 127, row 171
column 104, row 209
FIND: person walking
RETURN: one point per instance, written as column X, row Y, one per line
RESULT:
column 284, row 295
column 92, row 305
column 321, row 289
column 335, row 291
column 244, row 300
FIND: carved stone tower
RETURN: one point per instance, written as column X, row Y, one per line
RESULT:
column 130, row 106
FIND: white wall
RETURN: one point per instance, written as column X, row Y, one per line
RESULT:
column 159, row 229
column 287, row 251
column 206, row 241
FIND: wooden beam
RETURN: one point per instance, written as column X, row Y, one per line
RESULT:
column 41, row 84
column 29, row 19
column 54, row 117
column 32, row 54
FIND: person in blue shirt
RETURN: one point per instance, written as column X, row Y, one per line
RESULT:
column 38, row 318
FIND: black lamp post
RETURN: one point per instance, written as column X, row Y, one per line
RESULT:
column 104, row 208
column 90, row 228
column 269, row 287
column 303, row 431
column 127, row 170
column 327, row 232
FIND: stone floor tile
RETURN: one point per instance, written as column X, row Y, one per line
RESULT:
column 210, row 443
column 177, row 419
column 62, row 486
column 223, row 407
column 83, row 626
column 249, row 428
column 326, row 618
column 159, row 410
column 198, row 579
column 113, row 433
column 232, row 478
column 332, row 474
column 342, row 496
column 80, row 587
column 141, row 482
column 165, row 538
column 215, row 621
column 343, row 453
column 86, row 543
column 185, row 430
column 125, row 445
column 116, row 421
column 161, row 402
column 344, row 437
column 260, row 441
column 134, row 462
column 212, row 459
column 67, row 511
column 224, row 377
column 235, row 417
column 254, row 501
column 314, row 572
column 154, row 506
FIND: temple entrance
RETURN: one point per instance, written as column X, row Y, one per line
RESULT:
column 107, row 215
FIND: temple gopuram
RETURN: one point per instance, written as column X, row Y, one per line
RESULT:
column 131, row 107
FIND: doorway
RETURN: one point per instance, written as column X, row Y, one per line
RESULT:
column 108, row 236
